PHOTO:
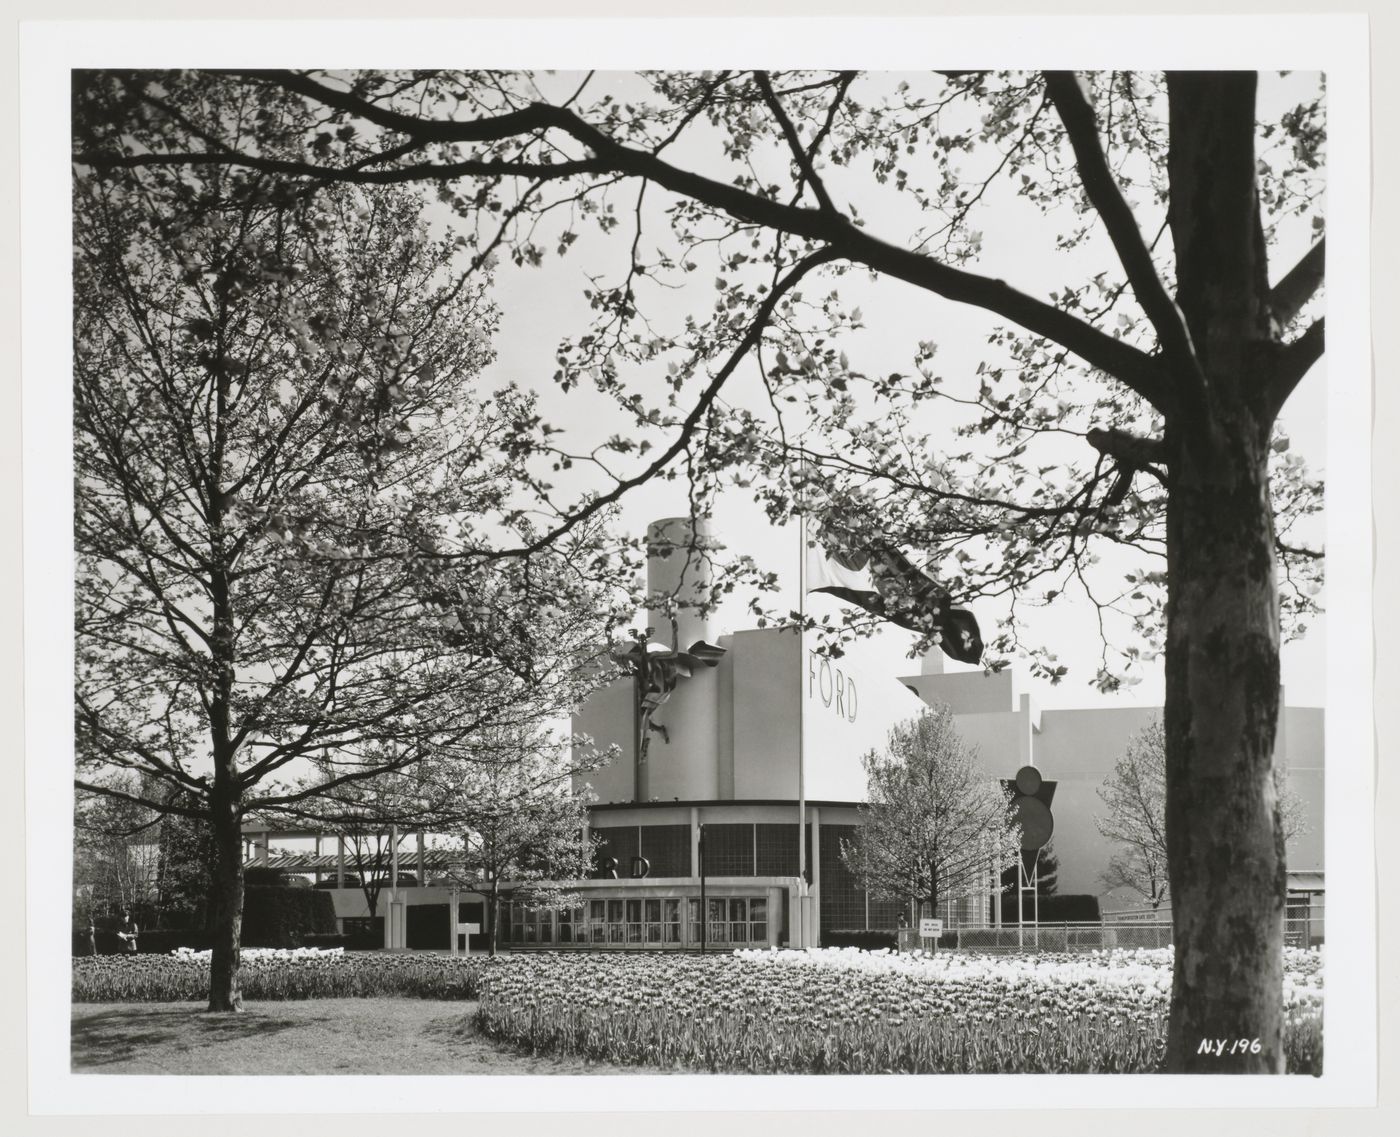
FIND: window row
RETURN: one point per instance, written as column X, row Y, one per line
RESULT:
column 643, row 921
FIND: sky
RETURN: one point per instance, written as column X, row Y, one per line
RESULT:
column 540, row 305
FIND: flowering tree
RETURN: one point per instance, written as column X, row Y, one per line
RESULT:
column 1133, row 407
column 1135, row 794
column 509, row 796
column 281, row 452
column 938, row 827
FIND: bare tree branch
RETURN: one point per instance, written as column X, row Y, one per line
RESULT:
column 1106, row 197
column 1128, row 364
column 1293, row 363
column 799, row 154
column 1287, row 297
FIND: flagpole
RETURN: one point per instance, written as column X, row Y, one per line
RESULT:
column 802, row 716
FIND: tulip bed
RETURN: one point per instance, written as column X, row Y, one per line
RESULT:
column 832, row 1011
column 304, row 973
column 848, row 1011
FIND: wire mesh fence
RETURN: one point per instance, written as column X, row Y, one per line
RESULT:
column 1305, row 929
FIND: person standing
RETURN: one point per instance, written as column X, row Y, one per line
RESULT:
column 128, row 934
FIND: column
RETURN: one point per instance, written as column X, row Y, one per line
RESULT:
column 393, row 862
column 814, row 818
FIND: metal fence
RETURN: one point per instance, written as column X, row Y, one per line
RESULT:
column 1064, row 937
column 1300, row 930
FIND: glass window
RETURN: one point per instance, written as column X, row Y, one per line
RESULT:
column 758, row 920
column 719, row 926
column 738, row 920
column 653, row 911
column 596, row 911
column 614, row 911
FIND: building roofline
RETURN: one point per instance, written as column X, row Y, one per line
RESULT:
column 710, row 803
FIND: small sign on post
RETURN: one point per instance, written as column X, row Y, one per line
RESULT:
column 930, row 928
column 461, row 937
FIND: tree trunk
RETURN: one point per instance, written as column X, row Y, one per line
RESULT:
column 226, row 906
column 494, row 913
column 1225, row 854
column 1224, row 838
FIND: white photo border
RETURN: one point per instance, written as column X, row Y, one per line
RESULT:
column 1334, row 44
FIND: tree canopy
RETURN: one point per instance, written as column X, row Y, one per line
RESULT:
column 1133, row 407
column 281, row 449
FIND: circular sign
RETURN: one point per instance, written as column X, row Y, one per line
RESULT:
column 1028, row 781
column 1035, row 820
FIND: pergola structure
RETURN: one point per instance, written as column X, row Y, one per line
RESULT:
column 259, row 836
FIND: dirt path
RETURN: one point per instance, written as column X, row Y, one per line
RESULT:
column 319, row 1036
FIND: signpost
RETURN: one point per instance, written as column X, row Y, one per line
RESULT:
column 930, row 928
column 461, row 930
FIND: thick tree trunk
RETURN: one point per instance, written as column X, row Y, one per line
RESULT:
column 226, row 906
column 494, row 915
column 1224, row 837
column 1225, row 854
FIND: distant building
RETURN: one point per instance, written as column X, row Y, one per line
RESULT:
column 732, row 740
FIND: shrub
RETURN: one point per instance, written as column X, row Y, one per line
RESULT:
column 871, row 939
column 280, row 917
column 162, row 941
column 259, row 876
column 326, row 942
column 1072, row 908
column 366, row 933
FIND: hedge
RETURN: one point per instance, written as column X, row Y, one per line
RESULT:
column 154, row 941
column 865, row 939
column 1073, row 908
column 283, row 917
column 323, row 942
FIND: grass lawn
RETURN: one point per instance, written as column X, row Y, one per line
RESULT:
column 315, row 1036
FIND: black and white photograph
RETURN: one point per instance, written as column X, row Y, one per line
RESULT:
column 705, row 573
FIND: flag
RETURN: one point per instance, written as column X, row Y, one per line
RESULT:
column 888, row 584
column 837, row 572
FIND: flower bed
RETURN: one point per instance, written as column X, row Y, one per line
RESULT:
column 267, row 973
column 848, row 1011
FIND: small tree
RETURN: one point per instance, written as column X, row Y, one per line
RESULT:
column 1135, row 794
column 937, row 826
column 521, row 822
